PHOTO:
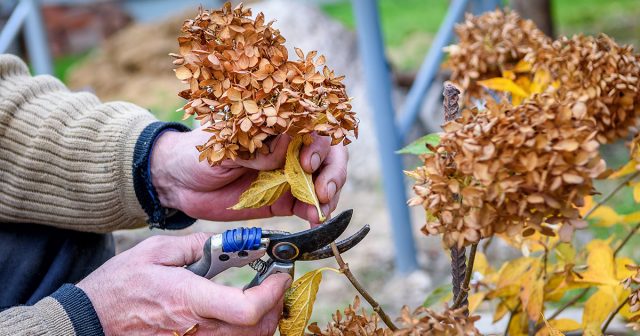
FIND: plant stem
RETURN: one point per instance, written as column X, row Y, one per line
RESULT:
column 626, row 239
column 613, row 192
column 511, row 314
column 615, row 312
column 462, row 298
column 344, row 268
column 569, row 304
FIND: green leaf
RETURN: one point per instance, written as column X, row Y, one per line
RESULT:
column 440, row 294
column 419, row 147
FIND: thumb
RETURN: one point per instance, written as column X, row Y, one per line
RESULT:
column 232, row 305
column 174, row 251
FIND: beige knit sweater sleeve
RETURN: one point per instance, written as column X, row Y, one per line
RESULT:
column 45, row 318
column 65, row 158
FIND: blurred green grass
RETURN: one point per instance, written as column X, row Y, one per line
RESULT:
column 409, row 25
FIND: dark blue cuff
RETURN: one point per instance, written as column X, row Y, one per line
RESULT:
column 159, row 217
column 79, row 309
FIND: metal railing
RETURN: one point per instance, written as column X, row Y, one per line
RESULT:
column 390, row 132
column 27, row 16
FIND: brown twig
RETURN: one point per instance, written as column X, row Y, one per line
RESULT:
column 615, row 312
column 511, row 314
column 463, row 296
column 344, row 268
column 613, row 192
column 569, row 304
column 626, row 239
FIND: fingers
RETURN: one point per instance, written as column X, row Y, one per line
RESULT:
column 333, row 174
column 273, row 160
column 212, row 301
column 312, row 156
column 173, row 251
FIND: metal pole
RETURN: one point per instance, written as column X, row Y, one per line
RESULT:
column 430, row 67
column 12, row 27
column 378, row 83
column 480, row 6
column 36, row 38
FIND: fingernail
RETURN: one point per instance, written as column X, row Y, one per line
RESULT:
column 331, row 189
column 315, row 161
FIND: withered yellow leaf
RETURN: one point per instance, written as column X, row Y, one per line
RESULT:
column 519, row 325
column 627, row 169
column 532, row 291
column 541, row 80
column 636, row 191
column 505, row 85
column 597, row 309
column 606, row 216
column 522, row 66
column 475, row 300
column 265, row 190
column 301, row 183
column 298, row 302
column 556, row 327
column 600, row 265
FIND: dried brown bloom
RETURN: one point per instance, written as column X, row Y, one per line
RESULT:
column 244, row 87
column 600, row 76
column 508, row 169
column 352, row 323
column 489, row 44
column 424, row 321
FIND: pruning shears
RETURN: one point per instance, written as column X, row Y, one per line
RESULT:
column 246, row 246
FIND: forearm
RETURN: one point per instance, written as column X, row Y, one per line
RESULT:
column 68, row 312
column 66, row 158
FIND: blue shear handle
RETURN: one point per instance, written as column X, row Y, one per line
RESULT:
column 241, row 239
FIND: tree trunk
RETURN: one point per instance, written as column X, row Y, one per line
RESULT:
column 539, row 11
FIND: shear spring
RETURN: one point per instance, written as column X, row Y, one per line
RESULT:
column 259, row 266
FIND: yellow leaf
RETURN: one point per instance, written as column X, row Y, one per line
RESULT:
column 513, row 271
column 588, row 204
column 522, row 66
column 519, row 325
column 298, row 303
column 265, row 190
column 532, row 291
column 301, row 183
column 480, row 264
column 501, row 311
column 633, row 217
column 636, row 191
column 606, row 216
column 504, row 84
column 600, row 265
column 555, row 327
column 597, row 309
column 627, row 169
column 541, row 80
column 475, row 300
column 508, row 74
column 622, row 272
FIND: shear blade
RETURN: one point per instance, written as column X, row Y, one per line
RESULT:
column 343, row 246
column 313, row 239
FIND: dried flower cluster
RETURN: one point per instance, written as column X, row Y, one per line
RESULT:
column 506, row 169
column 489, row 44
column 525, row 168
column 352, row 323
column 600, row 76
column 633, row 283
column 425, row 321
column 244, row 87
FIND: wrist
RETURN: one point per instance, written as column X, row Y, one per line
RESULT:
column 162, row 169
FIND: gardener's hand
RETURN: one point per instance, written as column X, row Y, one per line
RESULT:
column 205, row 192
column 146, row 291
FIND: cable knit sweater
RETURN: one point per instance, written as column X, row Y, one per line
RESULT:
column 70, row 161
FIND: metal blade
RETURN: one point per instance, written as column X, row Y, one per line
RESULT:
column 310, row 240
column 343, row 246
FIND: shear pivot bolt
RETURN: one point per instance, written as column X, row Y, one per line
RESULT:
column 286, row 251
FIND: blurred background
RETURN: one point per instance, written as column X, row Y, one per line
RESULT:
column 389, row 50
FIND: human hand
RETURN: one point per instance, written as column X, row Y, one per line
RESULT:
column 146, row 291
column 206, row 192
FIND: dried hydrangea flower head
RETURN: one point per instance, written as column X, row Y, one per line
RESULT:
column 353, row 322
column 633, row 283
column 601, row 77
column 425, row 321
column 506, row 169
column 243, row 86
column 489, row 44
